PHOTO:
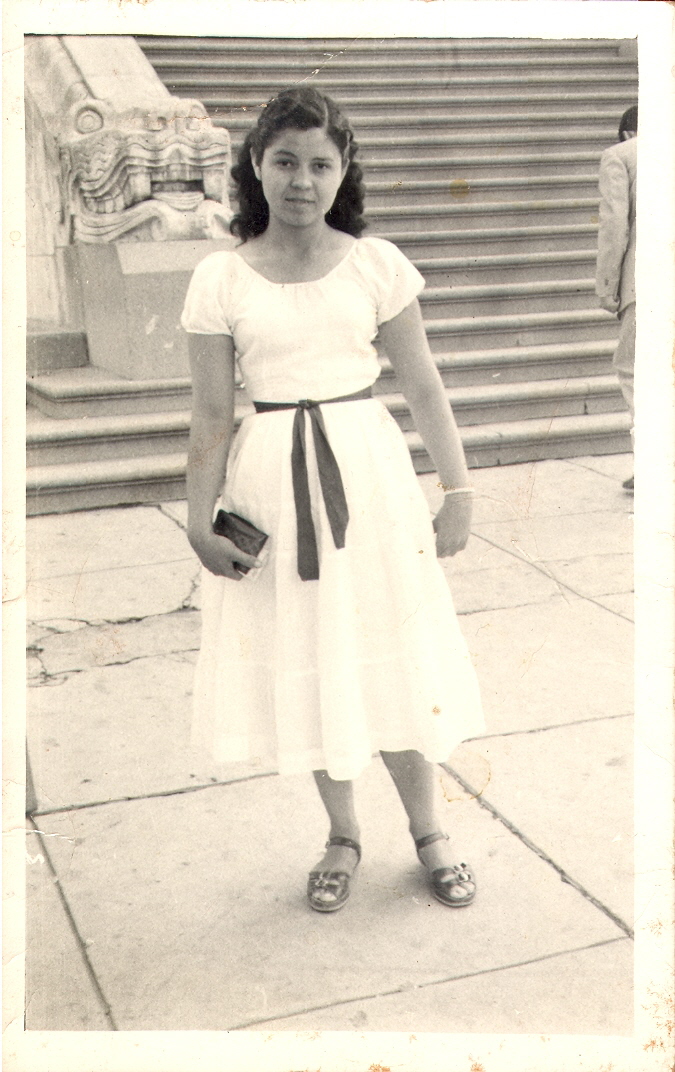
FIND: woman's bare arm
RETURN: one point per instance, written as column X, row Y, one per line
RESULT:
column 405, row 342
column 211, row 429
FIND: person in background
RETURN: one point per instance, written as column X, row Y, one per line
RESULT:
column 615, row 270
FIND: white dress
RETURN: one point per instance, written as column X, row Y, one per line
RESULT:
column 322, row 674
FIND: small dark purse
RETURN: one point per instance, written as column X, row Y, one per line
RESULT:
column 242, row 533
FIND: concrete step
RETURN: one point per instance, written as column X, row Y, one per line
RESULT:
column 86, row 395
column 222, row 102
column 622, row 84
column 54, row 489
column 409, row 122
column 496, row 141
column 522, row 329
column 461, row 216
column 495, row 299
column 158, row 478
column 504, row 403
column 517, row 364
column 535, row 440
column 85, row 439
column 52, row 442
column 483, row 165
column 321, row 48
column 464, row 191
column 91, row 392
column 493, row 240
column 486, row 170
column 283, row 67
column 514, row 267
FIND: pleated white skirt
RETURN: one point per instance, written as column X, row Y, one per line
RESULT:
column 321, row 674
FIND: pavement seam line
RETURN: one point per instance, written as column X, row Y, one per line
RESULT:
column 81, row 944
column 423, row 986
column 532, row 517
column 545, row 729
column 590, row 469
column 41, row 581
column 270, row 774
column 152, row 796
column 552, row 577
column 564, row 876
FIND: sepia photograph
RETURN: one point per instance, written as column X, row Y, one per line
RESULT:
column 331, row 454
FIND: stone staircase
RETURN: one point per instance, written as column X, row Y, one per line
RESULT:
column 481, row 161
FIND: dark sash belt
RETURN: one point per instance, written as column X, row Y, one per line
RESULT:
column 329, row 477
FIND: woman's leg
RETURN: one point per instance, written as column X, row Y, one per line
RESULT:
column 416, row 781
column 338, row 800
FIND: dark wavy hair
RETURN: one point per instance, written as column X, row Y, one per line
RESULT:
column 301, row 108
column 629, row 121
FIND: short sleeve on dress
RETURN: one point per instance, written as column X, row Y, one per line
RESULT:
column 205, row 311
column 393, row 280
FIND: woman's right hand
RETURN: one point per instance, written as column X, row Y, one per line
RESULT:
column 218, row 555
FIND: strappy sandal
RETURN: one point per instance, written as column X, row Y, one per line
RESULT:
column 327, row 891
column 454, row 886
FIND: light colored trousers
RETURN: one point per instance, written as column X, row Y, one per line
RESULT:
column 624, row 357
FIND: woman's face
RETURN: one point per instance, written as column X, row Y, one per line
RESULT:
column 301, row 172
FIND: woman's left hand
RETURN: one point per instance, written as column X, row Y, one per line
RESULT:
column 452, row 525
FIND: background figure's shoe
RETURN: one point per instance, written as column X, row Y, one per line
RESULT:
column 327, row 891
column 629, row 484
column 454, row 886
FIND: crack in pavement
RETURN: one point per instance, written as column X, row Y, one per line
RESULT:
column 160, row 507
column 53, row 630
column 405, row 988
column 214, row 784
column 564, row 876
column 41, row 678
column 556, row 580
column 94, row 623
column 591, row 469
column 187, row 603
column 545, row 729
column 47, row 677
column 43, row 581
column 81, row 944
column 134, row 619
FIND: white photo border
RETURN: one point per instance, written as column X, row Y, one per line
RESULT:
column 650, row 1047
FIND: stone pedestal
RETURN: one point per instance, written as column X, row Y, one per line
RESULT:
column 133, row 294
column 127, row 189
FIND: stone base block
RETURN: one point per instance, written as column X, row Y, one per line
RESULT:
column 133, row 297
column 47, row 351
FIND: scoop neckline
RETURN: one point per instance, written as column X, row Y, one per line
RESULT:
column 302, row 282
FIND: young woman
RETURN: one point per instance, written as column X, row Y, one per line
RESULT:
column 342, row 639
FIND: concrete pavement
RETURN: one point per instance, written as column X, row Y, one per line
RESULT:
column 167, row 893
